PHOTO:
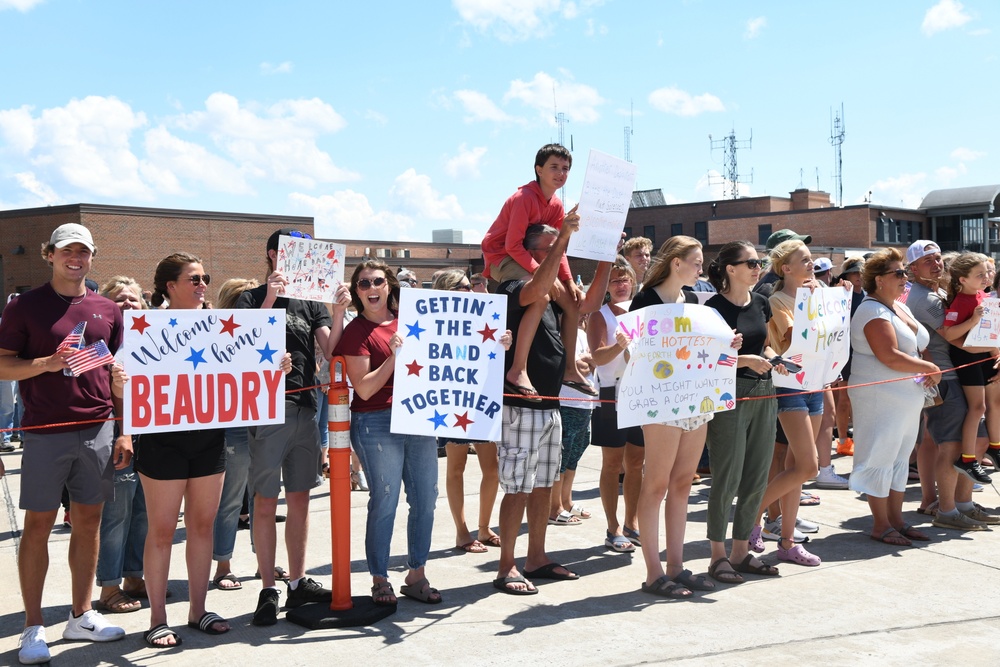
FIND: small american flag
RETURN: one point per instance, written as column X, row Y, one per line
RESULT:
column 726, row 360
column 796, row 359
column 74, row 339
column 90, row 357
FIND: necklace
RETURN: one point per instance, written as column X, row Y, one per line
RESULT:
column 70, row 300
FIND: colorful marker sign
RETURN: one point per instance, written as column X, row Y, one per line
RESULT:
column 987, row 332
column 821, row 338
column 681, row 364
column 200, row 369
column 604, row 204
column 448, row 379
column 314, row 268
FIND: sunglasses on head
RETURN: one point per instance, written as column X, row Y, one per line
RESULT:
column 364, row 283
column 299, row 235
column 899, row 273
column 751, row 263
column 197, row 280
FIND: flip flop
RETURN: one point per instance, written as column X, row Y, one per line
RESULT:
column 501, row 585
column 279, row 574
column 911, row 533
column 473, row 547
column 159, row 632
column 887, row 538
column 549, row 572
column 231, row 578
column 120, row 602
column 666, row 587
column 580, row 387
column 529, row 394
column 421, row 592
column 492, row 541
column 205, row 623
column 808, row 499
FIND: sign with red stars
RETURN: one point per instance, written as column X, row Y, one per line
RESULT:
column 314, row 268
column 449, row 371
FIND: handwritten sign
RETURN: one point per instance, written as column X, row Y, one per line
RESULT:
column 200, row 369
column 314, row 268
column 821, row 338
column 681, row 365
column 607, row 193
column 987, row 332
column 448, row 379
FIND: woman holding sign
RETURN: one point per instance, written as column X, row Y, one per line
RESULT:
column 672, row 448
column 392, row 461
column 740, row 441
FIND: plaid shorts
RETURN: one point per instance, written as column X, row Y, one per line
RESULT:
column 531, row 449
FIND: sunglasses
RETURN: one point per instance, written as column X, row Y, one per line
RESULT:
column 299, row 235
column 751, row 263
column 464, row 287
column 364, row 283
column 899, row 273
column 621, row 281
column 197, row 280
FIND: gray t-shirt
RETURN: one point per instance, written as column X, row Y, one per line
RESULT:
column 928, row 308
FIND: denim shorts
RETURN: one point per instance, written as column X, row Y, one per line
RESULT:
column 793, row 400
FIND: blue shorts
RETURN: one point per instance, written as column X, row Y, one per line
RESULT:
column 793, row 400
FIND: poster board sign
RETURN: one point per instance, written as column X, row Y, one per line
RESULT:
column 200, row 369
column 821, row 338
column 449, row 372
column 987, row 332
column 604, row 202
column 681, row 364
column 314, row 268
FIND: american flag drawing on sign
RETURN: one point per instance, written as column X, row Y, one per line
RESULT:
column 796, row 359
column 90, row 357
column 726, row 360
column 74, row 339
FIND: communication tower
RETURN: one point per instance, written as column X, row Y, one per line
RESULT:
column 838, row 130
column 731, row 178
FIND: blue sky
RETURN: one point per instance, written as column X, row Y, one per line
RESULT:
column 388, row 120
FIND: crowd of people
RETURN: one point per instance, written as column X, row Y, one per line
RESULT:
column 937, row 406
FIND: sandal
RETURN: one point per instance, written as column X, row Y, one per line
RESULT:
column 473, row 547
column 808, row 499
column 119, row 602
column 564, row 518
column 930, row 510
column 383, row 595
column 896, row 540
column 234, row 583
column 694, row 582
column 619, row 543
column 161, row 631
column 529, row 394
column 491, row 541
column 747, row 566
column 205, row 623
column 279, row 574
column 730, row 576
column 422, row 592
column 632, row 534
column 578, row 510
column 667, row 588
column 503, row 584
column 909, row 532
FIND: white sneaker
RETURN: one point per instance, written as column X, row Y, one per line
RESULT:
column 91, row 627
column 34, row 650
column 772, row 531
column 806, row 526
column 829, row 479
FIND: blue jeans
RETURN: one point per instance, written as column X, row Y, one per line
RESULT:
column 123, row 531
column 391, row 461
column 6, row 408
column 323, row 418
column 237, row 468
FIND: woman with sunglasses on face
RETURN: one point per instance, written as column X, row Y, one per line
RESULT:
column 181, row 465
column 887, row 342
column 390, row 460
column 741, row 441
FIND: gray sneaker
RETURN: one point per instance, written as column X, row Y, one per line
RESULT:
column 958, row 521
column 978, row 514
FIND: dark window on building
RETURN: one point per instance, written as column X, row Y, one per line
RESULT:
column 649, row 231
column 628, row 232
column 676, row 228
column 701, row 231
column 763, row 234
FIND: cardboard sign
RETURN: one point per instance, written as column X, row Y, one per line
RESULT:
column 987, row 332
column 200, row 369
column 821, row 338
column 449, row 372
column 604, row 203
column 681, row 364
column 314, row 268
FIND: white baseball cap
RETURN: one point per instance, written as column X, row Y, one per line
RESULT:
column 72, row 233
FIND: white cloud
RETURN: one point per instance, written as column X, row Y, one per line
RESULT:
column 19, row 5
column 45, row 195
column 945, row 15
column 347, row 214
column 170, row 157
column 718, row 186
column 472, row 235
column 411, row 194
column 578, row 101
column 376, row 117
column 675, row 101
column 465, row 165
column 966, row 154
column 479, row 107
column 283, row 68
column 17, row 129
column 754, row 26
column 510, row 20
column 980, row 32
column 906, row 190
column 595, row 29
column 278, row 142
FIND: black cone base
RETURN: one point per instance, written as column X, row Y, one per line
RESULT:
column 318, row 616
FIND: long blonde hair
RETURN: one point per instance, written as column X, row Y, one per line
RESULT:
column 676, row 247
column 230, row 290
column 779, row 258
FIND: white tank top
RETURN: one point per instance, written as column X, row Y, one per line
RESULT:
column 609, row 374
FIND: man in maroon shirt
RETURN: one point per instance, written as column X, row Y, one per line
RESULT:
column 60, row 452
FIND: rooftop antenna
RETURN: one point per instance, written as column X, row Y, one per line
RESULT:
column 628, row 132
column 801, row 185
column 561, row 121
column 838, row 130
column 817, row 179
column 731, row 180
